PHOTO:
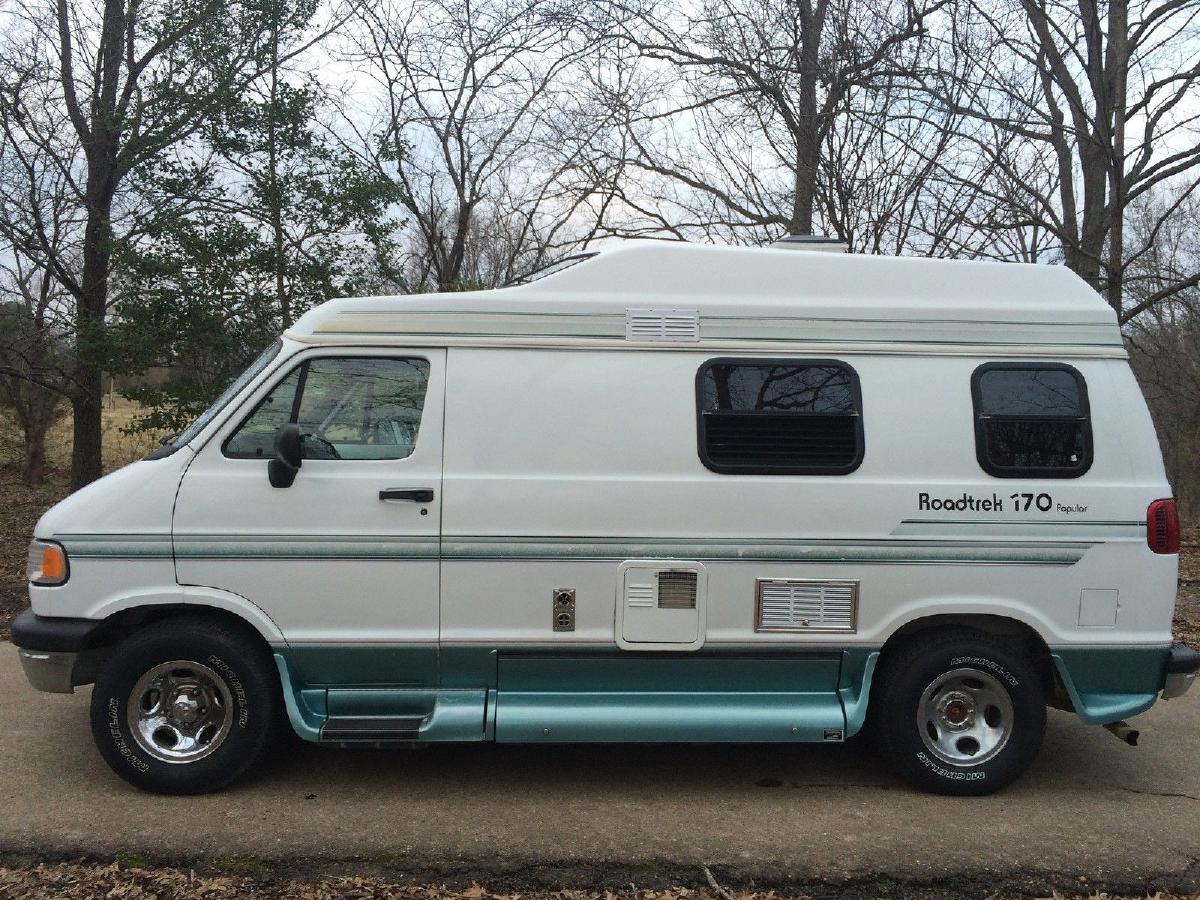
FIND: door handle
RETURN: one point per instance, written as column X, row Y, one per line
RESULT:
column 416, row 495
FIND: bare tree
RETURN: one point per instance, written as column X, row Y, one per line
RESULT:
column 1101, row 100
column 896, row 176
column 483, row 129
column 37, row 210
column 766, row 117
column 34, row 357
column 1164, row 340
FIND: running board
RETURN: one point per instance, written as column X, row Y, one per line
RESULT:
column 381, row 715
column 672, row 717
column 372, row 728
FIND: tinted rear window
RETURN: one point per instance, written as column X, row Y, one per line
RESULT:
column 1031, row 420
column 779, row 417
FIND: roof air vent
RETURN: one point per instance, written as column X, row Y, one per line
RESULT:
column 662, row 325
column 812, row 243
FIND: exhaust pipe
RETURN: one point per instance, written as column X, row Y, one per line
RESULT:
column 1125, row 732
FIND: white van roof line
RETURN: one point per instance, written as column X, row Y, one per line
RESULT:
column 668, row 295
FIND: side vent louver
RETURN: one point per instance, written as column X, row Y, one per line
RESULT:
column 677, row 590
column 806, row 605
column 639, row 594
column 662, row 325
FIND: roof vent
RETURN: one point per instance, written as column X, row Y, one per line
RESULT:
column 662, row 325
column 812, row 243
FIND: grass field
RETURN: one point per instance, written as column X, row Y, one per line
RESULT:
column 21, row 505
column 119, row 448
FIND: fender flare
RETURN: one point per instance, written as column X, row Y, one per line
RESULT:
column 199, row 598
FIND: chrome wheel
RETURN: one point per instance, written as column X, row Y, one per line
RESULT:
column 965, row 717
column 180, row 711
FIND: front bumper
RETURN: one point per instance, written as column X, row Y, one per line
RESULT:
column 58, row 654
column 48, row 670
column 1182, row 666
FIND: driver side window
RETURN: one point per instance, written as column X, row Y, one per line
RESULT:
column 347, row 408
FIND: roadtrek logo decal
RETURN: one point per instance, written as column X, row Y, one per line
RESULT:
column 1019, row 502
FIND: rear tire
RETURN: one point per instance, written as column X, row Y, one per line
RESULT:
column 186, row 705
column 959, row 712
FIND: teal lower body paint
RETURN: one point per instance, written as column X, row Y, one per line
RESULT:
column 379, row 693
column 1107, row 684
column 562, row 694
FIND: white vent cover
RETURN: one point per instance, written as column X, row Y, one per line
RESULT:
column 806, row 605
column 660, row 604
column 662, row 325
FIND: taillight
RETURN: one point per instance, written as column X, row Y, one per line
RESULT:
column 1162, row 526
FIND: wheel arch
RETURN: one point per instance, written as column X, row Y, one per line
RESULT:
column 1027, row 638
column 130, row 613
column 116, row 624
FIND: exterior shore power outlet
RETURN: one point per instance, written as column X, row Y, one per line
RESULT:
column 563, row 609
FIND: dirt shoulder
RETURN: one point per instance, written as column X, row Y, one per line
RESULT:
column 1187, row 606
column 134, row 877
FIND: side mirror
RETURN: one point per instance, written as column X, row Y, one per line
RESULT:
column 285, row 463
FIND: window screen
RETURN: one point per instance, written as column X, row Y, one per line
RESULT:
column 779, row 417
column 347, row 408
column 1031, row 420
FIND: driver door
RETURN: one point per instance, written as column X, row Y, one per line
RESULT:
column 349, row 553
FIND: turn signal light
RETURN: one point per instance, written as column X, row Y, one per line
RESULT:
column 47, row 565
column 1162, row 526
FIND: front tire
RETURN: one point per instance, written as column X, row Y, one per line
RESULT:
column 959, row 712
column 185, row 706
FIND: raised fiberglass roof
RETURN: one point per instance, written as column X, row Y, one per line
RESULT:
column 747, row 298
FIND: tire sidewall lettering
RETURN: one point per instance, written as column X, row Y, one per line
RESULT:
column 235, row 687
column 951, row 774
column 982, row 662
column 114, row 720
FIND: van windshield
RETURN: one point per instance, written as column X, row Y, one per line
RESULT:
column 228, row 394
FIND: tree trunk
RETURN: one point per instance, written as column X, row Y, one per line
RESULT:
column 86, row 453
column 33, row 469
column 1118, row 49
column 1087, row 258
column 283, row 301
column 808, row 147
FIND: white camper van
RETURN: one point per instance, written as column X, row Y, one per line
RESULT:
column 665, row 493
